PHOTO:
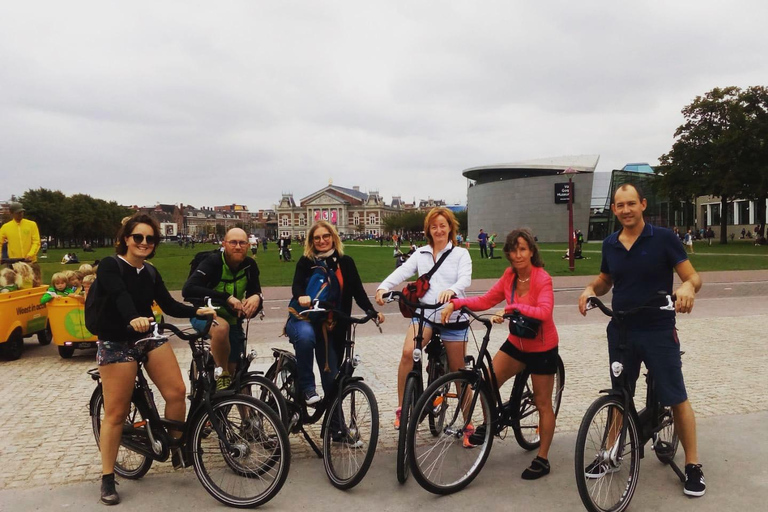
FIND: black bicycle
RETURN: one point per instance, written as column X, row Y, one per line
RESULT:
column 437, row 363
column 244, row 380
column 613, row 433
column 237, row 444
column 350, row 427
column 464, row 399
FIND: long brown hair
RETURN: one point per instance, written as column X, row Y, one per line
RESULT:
column 512, row 243
column 449, row 217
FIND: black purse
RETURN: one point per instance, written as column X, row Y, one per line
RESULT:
column 521, row 325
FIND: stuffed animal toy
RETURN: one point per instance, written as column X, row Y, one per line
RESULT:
column 8, row 280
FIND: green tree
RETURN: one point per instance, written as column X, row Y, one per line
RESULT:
column 47, row 209
column 756, row 110
column 708, row 156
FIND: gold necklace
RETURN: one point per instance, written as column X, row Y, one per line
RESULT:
column 519, row 280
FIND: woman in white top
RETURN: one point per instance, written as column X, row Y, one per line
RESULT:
column 449, row 281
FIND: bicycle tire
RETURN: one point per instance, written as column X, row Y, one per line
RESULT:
column 128, row 464
column 666, row 444
column 526, row 427
column 258, row 463
column 409, row 400
column 262, row 388
column 437, row 370
column 358, row 414
column 441, row 464
column 612, row 484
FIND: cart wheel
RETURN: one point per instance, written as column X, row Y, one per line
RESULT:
column 11, row 349
column 45, row 337
column 66, row 352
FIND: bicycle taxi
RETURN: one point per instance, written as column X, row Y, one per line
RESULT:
column 22, row 316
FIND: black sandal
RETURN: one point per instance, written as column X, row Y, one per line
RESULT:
column 538, row 468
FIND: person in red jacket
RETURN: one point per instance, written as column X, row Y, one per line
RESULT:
column 533, row 296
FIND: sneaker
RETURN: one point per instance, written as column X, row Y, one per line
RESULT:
column 538, row 468
column 311, row 397
column 347, row 438
column 179, row 458
column 467, row 434
column 223, row 382
column 478, row 436
column 398, row 411
column 598, row 469
column 694, row 480
column 109, row 494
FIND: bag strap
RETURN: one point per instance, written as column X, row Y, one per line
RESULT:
column 429, row 274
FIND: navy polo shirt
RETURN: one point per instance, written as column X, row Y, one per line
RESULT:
column 639, row 273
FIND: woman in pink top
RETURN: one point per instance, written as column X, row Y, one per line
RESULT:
column 533, row 296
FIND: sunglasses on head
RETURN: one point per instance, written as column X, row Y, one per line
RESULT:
column 138, row 238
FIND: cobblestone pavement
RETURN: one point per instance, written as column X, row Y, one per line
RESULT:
column 46, row 435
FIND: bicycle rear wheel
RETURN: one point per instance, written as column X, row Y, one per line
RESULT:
column 526, row 429
column 606, row 470
column 350, row 435
column 406, row 413
column 253, row 469
column 442, row 464
column 666, row 443
column 262, row 388
column 129, row 464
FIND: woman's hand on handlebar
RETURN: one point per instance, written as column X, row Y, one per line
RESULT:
column 141, row 324
column 446, row 312
column 498, row 317
column 206, row 311
column 380, row 296
column 445, row 296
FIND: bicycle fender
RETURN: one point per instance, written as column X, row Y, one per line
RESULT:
column 92, row 401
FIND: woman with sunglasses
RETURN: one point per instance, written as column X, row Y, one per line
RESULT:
column 323, row 252
column 130, row 287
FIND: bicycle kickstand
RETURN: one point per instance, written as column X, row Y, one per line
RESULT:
column 311, row 443
column 677, row 471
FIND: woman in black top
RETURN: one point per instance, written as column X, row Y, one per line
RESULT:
column 323, row 247
column 130, row 286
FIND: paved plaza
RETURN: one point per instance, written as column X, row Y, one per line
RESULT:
column 45, row 430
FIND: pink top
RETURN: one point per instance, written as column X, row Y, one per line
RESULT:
column 538, row 303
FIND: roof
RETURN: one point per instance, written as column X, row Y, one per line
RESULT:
column 538, row 167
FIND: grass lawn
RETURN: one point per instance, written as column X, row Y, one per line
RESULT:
column 375, row 263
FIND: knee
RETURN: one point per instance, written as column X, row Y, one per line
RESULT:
column 116, row 415
column 175, row 393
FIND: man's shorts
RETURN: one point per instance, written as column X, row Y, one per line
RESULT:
column 660, row 351
column 236, row 337
column 109, row 352
column 538, row 363
column 449, row 332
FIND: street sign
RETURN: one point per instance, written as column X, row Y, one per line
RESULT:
column 561, row 192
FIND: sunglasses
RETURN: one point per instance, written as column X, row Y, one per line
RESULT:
column 236, row 243
column 325, row 236
column 138, row 238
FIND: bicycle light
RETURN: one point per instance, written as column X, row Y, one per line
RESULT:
column 416, row 355
column 616, row 368
column 218, row 372
column 356, row 361
column 252, row 355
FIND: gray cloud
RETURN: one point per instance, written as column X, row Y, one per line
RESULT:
column 240, row 101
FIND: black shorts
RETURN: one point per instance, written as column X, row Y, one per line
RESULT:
column 538, row 363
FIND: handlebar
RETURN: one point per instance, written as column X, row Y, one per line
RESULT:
column 11, row 261
column 486, row 322
column 594, row 302
column 320, row 306
column 393, row 295
column 158, row 328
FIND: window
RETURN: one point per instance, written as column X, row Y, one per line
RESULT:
column 285, row 221
column 356, row 219
column 302, row 220
column 743, row 207
column 715, row 220
column 372, row 219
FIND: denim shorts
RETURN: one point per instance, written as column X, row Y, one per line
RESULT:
column 447, row 333
column 109, row 352
column 660, row 351
column 236, row 337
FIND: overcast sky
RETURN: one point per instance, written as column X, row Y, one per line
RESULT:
column 210, row 103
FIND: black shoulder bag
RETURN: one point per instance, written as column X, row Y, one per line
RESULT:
column 521, row 325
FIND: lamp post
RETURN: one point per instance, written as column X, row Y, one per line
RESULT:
column 571, row 261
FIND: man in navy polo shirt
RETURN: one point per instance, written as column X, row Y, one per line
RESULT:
column 637, row 263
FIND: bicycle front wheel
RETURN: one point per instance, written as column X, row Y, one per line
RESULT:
column 526, row 428
column 129, row 464
column 350, row 434
column 406, row 413
column 435, row 371
column 449, row 461
column 607, row 464
column 243, row 463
